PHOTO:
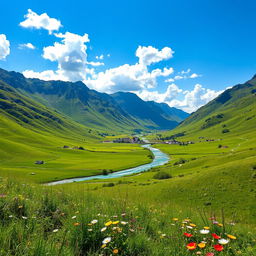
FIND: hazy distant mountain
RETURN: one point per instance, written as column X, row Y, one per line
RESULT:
column 150, row 113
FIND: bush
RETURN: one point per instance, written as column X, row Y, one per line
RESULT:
column 180, row 161
column 162, row 176
column 225, row 130
column 104, row 172
column 111, row 184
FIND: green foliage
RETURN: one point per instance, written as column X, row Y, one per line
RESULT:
column 162, row 175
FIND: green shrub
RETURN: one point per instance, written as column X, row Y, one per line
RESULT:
column 225, row 130
column 162, row 176
column 111, row 184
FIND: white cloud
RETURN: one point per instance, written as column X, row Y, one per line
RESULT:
column 171, row 93
column 101, row 57
column 148, row 55
column 27, row 45
column 95, row 64
column 194, row 75
column 45, row 75
column 4, row 47
column 132, row 77
column 188, row 101
column 33, row 20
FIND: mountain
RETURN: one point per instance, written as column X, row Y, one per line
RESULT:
column 232, row 112
column 91, row 108
column 149, row 113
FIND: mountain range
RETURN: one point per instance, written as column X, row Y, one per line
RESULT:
column 119, row 112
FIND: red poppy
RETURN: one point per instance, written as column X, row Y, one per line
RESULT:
column 191, row 246
column 215, row 236
column 188, row 235
column 209, row 254
column 218, row 247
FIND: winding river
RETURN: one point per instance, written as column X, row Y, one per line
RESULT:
column 160, row 158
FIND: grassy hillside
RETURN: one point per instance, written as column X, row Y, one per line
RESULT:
column 30, row 132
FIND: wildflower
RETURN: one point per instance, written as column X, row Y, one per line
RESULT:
column 24, row 218
column 163, row 235
column 123, row 214
column 2, row 195
column 115, row 222
column 175, row 219
column 191, row 246
column 204, row 231
column 94, row 221
column 108, row 223
column 215, row 236
column 188, row 235
column 231, row 237
column 103, row 229
column 207, row 228
column 76, row 224
column 124, row 222
column 103, row 246
column 115, row 251
column 189, row 227
column 55, row 230
column 10, row 216
column 74, row 217
column 209, row 254
column 198, row 253
column 218, row 247
column 220, row 224
column 201, row 245
column 223, row 241
column 90, row 229
column 106, row 240
column 20, row 206
column 192, row 225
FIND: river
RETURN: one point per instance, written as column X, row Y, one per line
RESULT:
column 160, row 158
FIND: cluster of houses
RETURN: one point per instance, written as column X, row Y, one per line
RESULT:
column 182, row 143
column 125, row 140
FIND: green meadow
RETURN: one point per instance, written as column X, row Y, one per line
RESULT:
column 202, row 202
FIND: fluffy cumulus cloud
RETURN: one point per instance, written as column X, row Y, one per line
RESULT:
column 27, row 46
column 43, row 21
column 149, row 55
column 134, row 77
column 187, row 100
column 71, row 56
column 4, row 47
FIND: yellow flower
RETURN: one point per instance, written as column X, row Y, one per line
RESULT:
column 76, row 224
column 201, row 245
column 115, row 222
column 207, row 228
column 115, row 251
column 220, row 224
column 175, row 219
column 108, row 223
column 103, row 246
column 187, row 220
column 231, row 237
column 192, row 225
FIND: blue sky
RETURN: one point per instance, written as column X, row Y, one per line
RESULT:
column 214, row 40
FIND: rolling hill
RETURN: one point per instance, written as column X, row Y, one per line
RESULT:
column 91, row 108
column 232, row 113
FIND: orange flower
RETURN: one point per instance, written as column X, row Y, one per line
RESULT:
column 191, row 246
column 231, row 237
column 76, row 224
column 201, row 245
column 115, row 251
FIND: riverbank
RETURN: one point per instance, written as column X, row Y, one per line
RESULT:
column 160, row 158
